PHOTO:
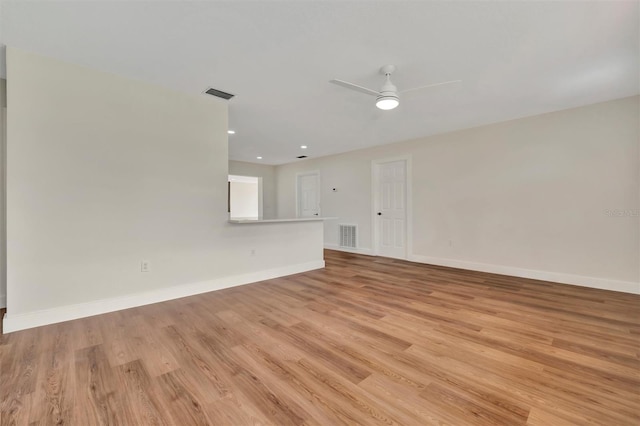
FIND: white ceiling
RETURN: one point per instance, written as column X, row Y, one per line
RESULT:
column 515, row 59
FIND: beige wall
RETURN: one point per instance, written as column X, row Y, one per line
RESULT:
column 104, row 172
column 268, row 175
column 526, row 197
column 3, row 264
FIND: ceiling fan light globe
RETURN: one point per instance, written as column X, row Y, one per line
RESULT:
column 387, row 102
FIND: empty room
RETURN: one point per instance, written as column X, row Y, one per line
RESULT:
column 320, row 213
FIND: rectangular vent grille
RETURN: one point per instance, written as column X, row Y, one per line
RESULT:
column 219, row 93
column 348, row 236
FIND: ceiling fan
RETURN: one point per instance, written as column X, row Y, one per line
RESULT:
column 388, row 96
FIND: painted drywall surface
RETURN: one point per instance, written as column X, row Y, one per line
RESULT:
column 104, row 172
column 244, row 200
column 268, row 175
column 531, row 193
column 3, row 275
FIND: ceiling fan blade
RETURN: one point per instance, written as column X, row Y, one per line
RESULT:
column 431, row 85
column 355, row 87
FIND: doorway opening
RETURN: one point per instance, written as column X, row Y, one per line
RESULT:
column 245, row 197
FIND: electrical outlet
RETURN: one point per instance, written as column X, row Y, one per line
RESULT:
column 450, row 243
column 145, row 266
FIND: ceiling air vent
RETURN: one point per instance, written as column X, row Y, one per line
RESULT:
column 301, row 156
column 219, row 93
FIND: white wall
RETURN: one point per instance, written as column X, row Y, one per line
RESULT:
column 244, row 200
column 3, row 259
column 104, row 172
column 525, row 197
column 269, row 186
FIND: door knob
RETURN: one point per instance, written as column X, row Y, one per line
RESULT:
column 379, row 213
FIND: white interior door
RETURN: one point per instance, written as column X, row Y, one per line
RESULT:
column 391, row 209
column 308, row 195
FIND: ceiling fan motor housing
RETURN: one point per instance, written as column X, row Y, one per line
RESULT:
column 388, row 86
column 388, row 97
column 387, row 100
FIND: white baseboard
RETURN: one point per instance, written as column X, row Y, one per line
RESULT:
column 579, row 280
column 365, row 251
column 18, row 322
column 3, row 301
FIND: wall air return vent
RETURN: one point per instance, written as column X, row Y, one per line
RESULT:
column 348, row 236
column 219, row 93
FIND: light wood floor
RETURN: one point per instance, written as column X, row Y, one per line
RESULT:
column 364, row 341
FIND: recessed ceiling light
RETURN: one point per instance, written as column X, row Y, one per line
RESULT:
column 303, row 146
column 259, row 158
column 231, row 132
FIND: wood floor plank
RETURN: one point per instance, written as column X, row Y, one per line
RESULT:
column 137, row 403
column 466, row 410
column 173, row 392
column 343, row 392
column 228, row 412
column 19, row 376
column 366, row 340
column 400, row 396
column 51, row 404
column 95, row 388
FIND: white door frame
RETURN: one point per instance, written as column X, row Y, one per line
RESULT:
column 309, row 173
column 375, row 202
column 260, row 199
column 3, row 224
